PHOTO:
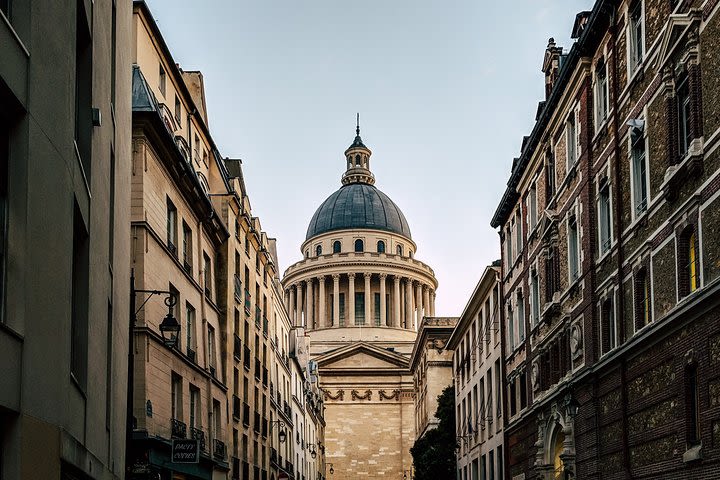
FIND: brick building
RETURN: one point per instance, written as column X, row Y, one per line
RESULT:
column 610, row 252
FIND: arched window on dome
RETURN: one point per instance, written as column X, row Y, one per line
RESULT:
column 357, row 160
column 318, row 250
column 359, row 245
column 399, row 250
column 381, row 246
column 337, row 248
column 410, row 253
column 307, row 253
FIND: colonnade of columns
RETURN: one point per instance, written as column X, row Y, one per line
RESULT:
column 409, row 300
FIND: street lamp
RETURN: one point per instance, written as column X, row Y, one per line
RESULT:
column 170, row 331
column 282, row 434
column 572, row 406
column 332, row 470
column 313, row 452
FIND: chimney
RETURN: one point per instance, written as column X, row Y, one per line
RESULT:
column 551, row 65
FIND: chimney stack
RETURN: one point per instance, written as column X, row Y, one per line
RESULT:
column 551, row 65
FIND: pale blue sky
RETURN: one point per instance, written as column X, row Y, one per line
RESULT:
column 445, row 90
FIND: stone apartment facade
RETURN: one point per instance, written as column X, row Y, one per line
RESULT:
column 476, row 349
column 610, row 252
column 193, row 234
column 64, row 238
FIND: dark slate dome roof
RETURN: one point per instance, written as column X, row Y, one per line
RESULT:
column 358, row 205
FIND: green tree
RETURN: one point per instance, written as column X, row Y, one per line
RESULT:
column 434, row 453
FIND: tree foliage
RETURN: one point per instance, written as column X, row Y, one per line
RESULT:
column 434, row 453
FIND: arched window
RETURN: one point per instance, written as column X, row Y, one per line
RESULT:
column 688, row 280
column 318, row 250
column 357, row 160
column 359, row 245
column 336, row 246
column 558, row 447
column 381, row 246
column 399, row 250
column 410, row 253
column 307, row 253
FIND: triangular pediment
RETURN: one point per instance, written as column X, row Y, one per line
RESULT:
column 362, row 355
column 678, row 26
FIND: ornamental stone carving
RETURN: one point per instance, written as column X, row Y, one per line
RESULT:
column 366, row 396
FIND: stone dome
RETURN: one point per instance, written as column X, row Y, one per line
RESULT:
column 358, row 206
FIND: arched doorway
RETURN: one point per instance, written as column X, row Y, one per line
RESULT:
column 558, row 446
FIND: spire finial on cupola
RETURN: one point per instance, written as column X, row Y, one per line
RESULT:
column 358, row 160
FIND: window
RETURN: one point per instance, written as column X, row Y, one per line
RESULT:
column 187, row 247
column 642, row 299
column 381, row 246
column 601, row 93
column 216, row 420
column 549, row 175
column 518, row 233
column 637, row 39
column 512, row 399
column 532, row 207
column 692, row 417
column 359, row 245
column 573, row 249
column 178, row 111
column 207, row 274
column 500, row 461
column 399, row 250
column 83, row 91
column 211, row 349
column 318, row 250
column 342, row 308
column 571, row 139
column 498, row 389
column 609, row 329
column 511, row 326
column 638, row 170
column 171, row 227
column 692, row 264
column 176, row 396
column 190, row 330
column 683, row 116
column 508, row 244
column 359, row 308
column 337, row 247
column 523, row 390
column 80, row 289
column 163, row 79
column 520, row 315
column 688, row 279
column 535, row 297
column 604, row 216
column 194, row 406
column 491, row 466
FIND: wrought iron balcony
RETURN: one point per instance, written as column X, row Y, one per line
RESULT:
column 219, row 449
column 199, row 435
column 178, row 429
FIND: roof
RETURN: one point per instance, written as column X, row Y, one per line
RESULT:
column 358, row 206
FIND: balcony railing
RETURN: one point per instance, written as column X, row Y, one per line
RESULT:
column 199, row 435
column 219, row 449
column 237, row 348
column 247, row 301
column 236, row 407
column 246, row 362
column 238, row 289
column 246, row 414
column 178, row 429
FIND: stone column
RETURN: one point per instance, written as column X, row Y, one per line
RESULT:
column 308, row 304
column 298, row 304
column 291, row 309
column 322, row 321
column 351, row 300
column 426, row 300
column 368, row 310
column 336, row 300
column 432, row 303
column 396, row 302
column 408, row 304
column 418, row 305
column 383, row 304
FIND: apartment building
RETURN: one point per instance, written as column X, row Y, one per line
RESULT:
column 476, row 346
column 609, row 273
column 64, row 238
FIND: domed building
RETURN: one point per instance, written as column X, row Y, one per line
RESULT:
column 360, row 294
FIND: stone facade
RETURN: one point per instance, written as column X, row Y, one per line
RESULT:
column 361, row 295
column 65, row 125
column 478, row 374
column 609, row 276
